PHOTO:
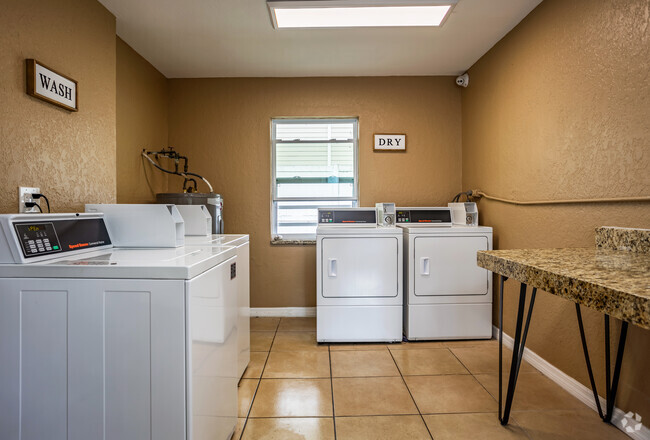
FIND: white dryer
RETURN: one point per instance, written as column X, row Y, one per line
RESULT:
column 447, row 296
column 101, row 342
column 241, row 244
column 359, row 277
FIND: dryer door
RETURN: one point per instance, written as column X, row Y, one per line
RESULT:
column 446, row 266
column 359, row 267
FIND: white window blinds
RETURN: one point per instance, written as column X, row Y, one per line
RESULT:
column 314, row 165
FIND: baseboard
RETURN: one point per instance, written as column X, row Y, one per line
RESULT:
column 572, row 386
column 302, row 312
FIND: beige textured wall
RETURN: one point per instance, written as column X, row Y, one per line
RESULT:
column 142, row 96
column 70, row 156
column 223, row 125
column 559, row 109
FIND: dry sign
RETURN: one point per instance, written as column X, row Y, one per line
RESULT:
column 390, row 142
column 49, row 85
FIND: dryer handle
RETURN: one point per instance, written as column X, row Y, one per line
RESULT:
column 424, row 266
column 331, row 267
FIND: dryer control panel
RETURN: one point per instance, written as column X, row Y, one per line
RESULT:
column 424, row 216
column 347, row 217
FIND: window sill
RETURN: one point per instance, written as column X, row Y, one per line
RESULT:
column 289, row 242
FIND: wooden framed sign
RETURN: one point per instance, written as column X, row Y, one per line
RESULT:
column 50, row 86
column 390, row 142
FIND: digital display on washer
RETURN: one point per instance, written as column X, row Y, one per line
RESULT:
column 351, row 216
column 60, row 236
column 424, row 216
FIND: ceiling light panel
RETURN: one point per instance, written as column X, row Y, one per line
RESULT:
column 338, row 14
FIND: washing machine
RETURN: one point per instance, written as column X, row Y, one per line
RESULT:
column 447, row 296
column 113, row 343
column 358, row 277
column 241, row 244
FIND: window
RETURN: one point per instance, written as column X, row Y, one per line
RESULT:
column 314, row 165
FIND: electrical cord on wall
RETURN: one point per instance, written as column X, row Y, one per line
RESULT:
column 475, row 193
column 33, row 205
column 41, row 196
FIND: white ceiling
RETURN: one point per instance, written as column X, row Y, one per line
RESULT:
column 235, row 38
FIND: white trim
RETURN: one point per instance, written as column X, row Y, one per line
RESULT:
column 572, row 386
column 283, row 312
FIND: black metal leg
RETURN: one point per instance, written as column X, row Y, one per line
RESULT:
column 586, row 351
column 608, row 367
column 611, row 382
column 523, row 338
column 503, row 279
column 517, row 349
column 617, row 373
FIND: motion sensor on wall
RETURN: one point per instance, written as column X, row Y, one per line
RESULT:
column 462, row 80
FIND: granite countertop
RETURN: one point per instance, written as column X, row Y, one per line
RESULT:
column 604, row 278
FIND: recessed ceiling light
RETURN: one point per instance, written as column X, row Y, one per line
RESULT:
column 357, row 13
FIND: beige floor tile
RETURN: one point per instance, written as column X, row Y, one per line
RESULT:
column 264, row 324
column 485, row 359
column 566, row 425
column 472, row 343
column 297, row 325
column 428, row 362
column 363, row 364
column 416, row 345
column 239, row 427
column 256, row 365
column 358, row 347
column 534, row 391
column 365, row 396
column 297, row 364
column 290, row 429
column 293, row 398
column 245, row 394
column 297, row 341
column 381, row 428
column 449, row 394
column 468, row 427
column 261, row 341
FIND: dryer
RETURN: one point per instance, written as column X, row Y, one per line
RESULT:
column 447, row 296
column 359, row 277
column 102, row 342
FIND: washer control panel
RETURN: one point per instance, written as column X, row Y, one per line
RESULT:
column 37, row 238
column 56, row 236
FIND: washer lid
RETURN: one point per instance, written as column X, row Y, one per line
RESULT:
column 217, row 240
column 164, row 263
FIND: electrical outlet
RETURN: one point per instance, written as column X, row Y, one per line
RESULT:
column 25, row 195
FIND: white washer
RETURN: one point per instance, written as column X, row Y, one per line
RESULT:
column 100, row 342
column 359, row 277
column 241, row 243
column 447, row 296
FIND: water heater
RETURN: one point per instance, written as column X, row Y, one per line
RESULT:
column 212, row 201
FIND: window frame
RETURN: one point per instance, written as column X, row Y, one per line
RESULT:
column 275, row 199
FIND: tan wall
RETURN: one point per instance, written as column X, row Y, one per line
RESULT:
column 142, row 96
column 70, row 156
column 559, row 109
column 223, row 125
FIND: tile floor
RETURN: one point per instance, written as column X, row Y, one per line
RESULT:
column 295, row 388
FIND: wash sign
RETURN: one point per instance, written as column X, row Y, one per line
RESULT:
column 50, row 86
column 390, row 142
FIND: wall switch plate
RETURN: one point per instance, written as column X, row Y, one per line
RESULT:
column 25, row 195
